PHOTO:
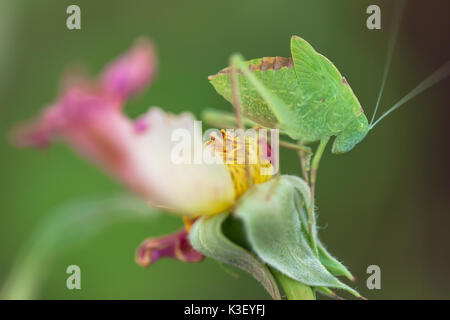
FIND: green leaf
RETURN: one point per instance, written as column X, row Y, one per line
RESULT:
column 206, row 237
column 68, row 226
column 274, row 230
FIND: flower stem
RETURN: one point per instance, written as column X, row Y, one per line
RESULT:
column 293, row 289
column 311, row 215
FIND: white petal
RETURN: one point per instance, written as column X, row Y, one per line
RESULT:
column 184, row 188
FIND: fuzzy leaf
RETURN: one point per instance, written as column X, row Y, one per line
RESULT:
column 274, row 230
column 330, row 263
column 206, row 237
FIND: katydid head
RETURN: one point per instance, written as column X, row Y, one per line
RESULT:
column 355, row 132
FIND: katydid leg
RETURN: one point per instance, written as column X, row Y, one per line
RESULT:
column 236, row 98
column 304, row 161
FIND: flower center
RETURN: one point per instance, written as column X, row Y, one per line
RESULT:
column 244, row 158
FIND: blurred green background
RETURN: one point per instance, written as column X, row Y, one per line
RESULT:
column 384, row 203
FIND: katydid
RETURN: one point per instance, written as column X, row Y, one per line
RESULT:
column 305, row 97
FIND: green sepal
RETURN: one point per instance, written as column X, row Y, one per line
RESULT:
column 293, row 289
column 206, row 237
column 274, row 230
column 335, row 267
column 332, row 264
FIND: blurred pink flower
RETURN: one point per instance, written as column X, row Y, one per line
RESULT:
column 138, row 153
column 88, row 117
column 88, row 114
column 84, row 103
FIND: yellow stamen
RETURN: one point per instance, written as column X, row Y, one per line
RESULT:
column 236, row 161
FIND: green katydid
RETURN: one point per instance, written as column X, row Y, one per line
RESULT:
column 305, row 97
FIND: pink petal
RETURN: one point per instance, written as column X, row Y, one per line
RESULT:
column 38, row 132
column 131, row 72
column 76, row 109
column 175, row 246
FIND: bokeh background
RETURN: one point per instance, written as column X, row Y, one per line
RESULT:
column 384, row 203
